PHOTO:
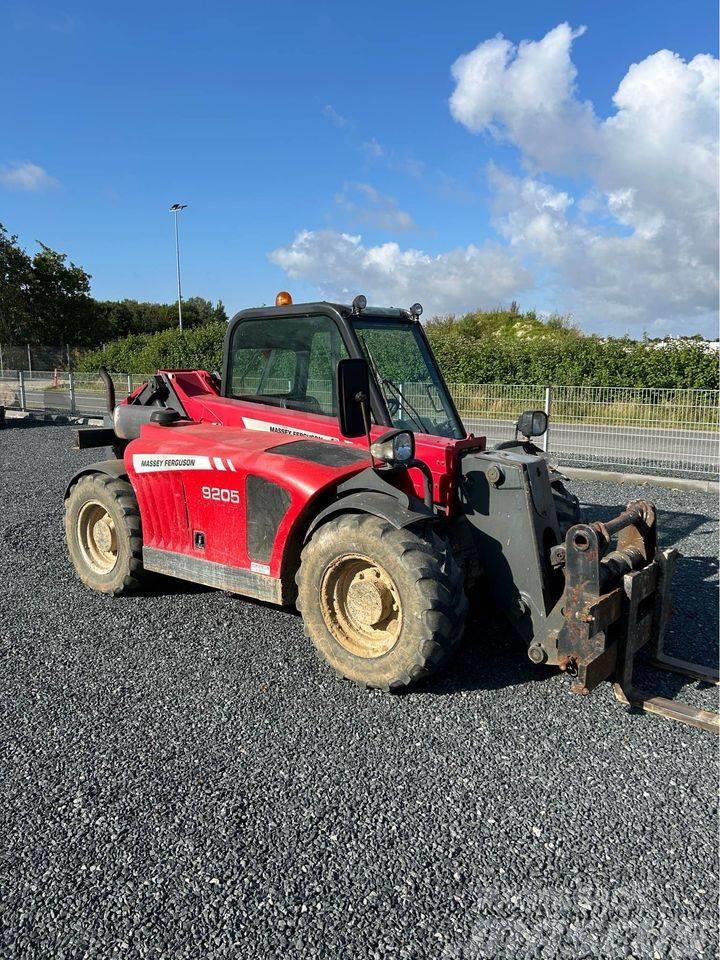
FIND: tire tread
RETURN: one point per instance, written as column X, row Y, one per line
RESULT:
column 427, row 556
column 123, row 495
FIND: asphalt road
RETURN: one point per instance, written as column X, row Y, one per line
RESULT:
column 180, row 777
column 604, row 443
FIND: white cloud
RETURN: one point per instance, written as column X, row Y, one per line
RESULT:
column 626, row 240
column 616, row 281
column 373, row 149
column 340, row 266
column 526, row 95
column 400, row 161
column 652, row 255
column 366, row 205
column 26, row 176
column 337, row 119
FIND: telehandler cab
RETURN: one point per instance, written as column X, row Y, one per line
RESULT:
column 328, row 467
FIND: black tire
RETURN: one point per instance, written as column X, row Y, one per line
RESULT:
column 567, row 505
column 103, row 533
column 420, row 603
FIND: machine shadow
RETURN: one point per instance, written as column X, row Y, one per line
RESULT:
column 26, row 423
column 160, row 585
column 491, row 656
column 494, row 658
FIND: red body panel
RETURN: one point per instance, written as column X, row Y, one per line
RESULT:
column 173, row 468
column 191, row 478
column 204, row 405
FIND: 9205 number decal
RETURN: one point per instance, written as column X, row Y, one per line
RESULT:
column 221, row 494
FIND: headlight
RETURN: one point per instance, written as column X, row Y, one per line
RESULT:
column 395, row 446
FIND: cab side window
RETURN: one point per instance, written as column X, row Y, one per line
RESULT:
column 287, row 362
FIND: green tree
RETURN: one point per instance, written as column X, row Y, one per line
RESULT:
column 198, row 311
column 122, row 318
column 46, row 300
column 15, row 275
column 60, row 306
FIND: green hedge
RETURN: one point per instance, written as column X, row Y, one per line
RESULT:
column 198, row 348
column 583, row 361
column 573, row 360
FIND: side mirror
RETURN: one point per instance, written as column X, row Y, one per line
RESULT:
column 532, row 423
column 353, row 384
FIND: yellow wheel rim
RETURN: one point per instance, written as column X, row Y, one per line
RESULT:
column 97, row 537
column 361, row 606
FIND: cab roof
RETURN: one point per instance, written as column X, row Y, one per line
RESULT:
column 344, row 309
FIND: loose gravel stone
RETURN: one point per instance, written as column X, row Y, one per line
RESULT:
column 180, row 777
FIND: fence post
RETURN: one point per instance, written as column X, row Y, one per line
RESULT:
column 21, row 378
column 548, row 402
column 71, row 379
column 130, row 384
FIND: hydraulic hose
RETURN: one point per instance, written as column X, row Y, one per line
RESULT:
column 427, row 480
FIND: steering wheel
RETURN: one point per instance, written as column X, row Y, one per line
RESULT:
column 445, row 428
column 393, row 405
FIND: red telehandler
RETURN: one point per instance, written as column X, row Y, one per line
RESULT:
column 328, row 467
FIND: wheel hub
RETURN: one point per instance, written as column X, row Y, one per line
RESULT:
column 97, row 537
column 361, row 607
column 103, row 533
column 369, row 601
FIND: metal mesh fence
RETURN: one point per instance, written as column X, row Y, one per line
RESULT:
column 650, row 430
column 644, row 428
column 666, row 431
column 491, row 409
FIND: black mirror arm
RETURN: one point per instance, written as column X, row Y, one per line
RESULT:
column 362, row 399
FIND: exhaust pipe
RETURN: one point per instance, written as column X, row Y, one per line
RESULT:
column 109, row 388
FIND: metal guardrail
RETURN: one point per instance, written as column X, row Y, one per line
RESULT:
column 655, row 430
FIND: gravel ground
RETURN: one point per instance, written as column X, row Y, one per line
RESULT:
column 179, row 776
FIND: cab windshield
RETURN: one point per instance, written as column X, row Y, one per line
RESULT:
column 408, row 377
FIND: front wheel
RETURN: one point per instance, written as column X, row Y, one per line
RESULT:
column 383, row 606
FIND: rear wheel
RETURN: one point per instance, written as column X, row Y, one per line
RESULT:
column 383, row 606
column 103, row 533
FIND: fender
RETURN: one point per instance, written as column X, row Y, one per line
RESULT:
column 111, row 468
column 369, row 492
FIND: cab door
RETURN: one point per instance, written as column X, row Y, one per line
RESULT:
column 286, row 362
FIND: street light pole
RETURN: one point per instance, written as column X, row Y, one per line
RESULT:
column 176, row 208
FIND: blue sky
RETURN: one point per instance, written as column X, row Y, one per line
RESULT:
column 289, row 127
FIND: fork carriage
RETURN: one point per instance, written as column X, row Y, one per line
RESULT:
column 617, row 602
